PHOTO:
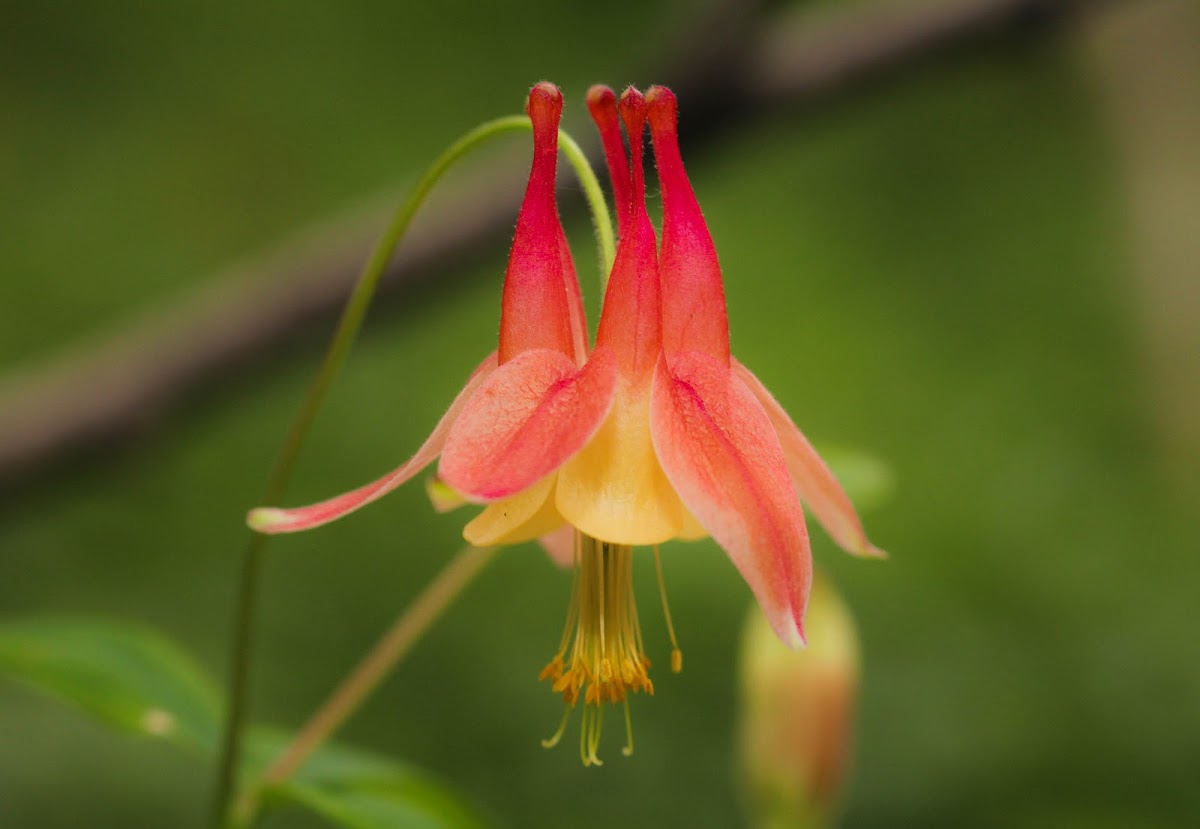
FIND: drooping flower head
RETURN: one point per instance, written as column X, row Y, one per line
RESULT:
column 657, row 433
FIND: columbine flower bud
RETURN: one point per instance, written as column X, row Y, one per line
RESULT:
column 797, row 714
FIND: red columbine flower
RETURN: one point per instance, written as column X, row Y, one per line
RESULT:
column 656, row 434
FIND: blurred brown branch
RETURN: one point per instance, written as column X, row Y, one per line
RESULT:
column 100, row 392
column 1137, row 57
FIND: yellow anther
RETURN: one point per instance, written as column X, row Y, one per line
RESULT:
column 553, row 670
column 628, row 672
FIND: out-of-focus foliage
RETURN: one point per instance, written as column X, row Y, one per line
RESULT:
column 355, row 789
column 138, row 682
column 131, row 679
column 933, row 268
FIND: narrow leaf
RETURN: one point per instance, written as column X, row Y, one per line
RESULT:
column 126, row 676
column 357, row 789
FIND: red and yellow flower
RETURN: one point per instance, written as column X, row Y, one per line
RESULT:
column 655, row 433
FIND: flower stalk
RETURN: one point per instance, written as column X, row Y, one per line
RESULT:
column 362, row 681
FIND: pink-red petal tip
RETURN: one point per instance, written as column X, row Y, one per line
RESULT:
column 601, row 102
column 633, row 110
column 544, row 98
column 871, row 551
column 800, row 640
column 632, row 97
column 269, row 520
column 664, row 108
column 544, row 107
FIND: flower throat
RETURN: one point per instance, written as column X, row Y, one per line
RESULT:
column 601, row 654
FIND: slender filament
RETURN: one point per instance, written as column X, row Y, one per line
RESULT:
column 676, row 653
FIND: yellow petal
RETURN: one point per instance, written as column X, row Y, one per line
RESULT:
column 521, row 517
column 615, row 489
column 691, row 529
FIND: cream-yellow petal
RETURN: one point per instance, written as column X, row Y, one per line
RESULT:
column 615, row 488
column 522, row 517
column 691, row 530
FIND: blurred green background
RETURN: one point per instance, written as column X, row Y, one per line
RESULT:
column 952, row 267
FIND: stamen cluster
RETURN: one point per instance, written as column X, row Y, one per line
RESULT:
column 601, row 654
column 607, row 658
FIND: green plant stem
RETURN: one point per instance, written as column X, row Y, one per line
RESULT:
column 594, row 193
column 239, row 680
column 347, row 330
column 391, row 648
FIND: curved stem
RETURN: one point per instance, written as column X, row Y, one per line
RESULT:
column 239, row 676
column 596, row 203
column 347, row 330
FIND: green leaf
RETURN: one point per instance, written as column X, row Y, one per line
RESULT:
column 360, row 790
column 382, row 806
column 126, row 676
column 135, row 680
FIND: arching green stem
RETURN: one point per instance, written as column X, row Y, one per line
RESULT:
column 344, row 335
